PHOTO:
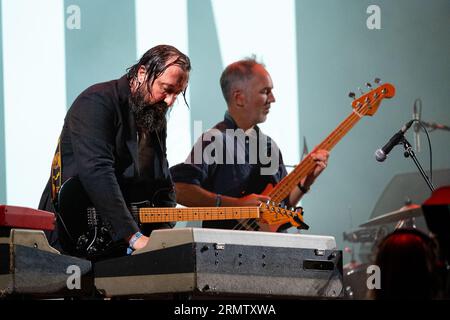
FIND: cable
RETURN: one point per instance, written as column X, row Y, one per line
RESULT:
column 429, row 146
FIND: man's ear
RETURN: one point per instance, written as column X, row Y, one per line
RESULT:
column 141, row 74
column 239, row 98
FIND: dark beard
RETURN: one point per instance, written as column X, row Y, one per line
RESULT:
column 148, row 117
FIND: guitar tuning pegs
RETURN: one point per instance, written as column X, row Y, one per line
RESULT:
column 377, row 80
column 352, row 95
column 369, row 85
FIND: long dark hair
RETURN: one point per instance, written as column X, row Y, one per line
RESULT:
column 155, row 63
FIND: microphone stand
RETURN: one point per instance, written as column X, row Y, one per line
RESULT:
column 409, row 152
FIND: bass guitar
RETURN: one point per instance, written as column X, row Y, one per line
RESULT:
column 365, row 105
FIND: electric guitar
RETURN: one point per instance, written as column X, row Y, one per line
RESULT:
column 366, row 105
column 88, row 236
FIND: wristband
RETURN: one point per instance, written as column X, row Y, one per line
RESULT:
column 302, row 188
column 134, row 238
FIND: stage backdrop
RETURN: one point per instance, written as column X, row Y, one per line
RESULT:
column 316, row 51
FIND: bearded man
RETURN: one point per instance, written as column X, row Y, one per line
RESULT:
column 114, row 141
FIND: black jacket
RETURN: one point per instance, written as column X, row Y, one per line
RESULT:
column 99, row 144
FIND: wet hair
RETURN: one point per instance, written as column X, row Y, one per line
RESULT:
column 155, row 63
column 409, row 266
column 236, row 72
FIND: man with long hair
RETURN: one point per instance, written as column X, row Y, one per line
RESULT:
column 114, row 142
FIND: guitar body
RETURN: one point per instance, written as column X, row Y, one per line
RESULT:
column 274, row 227
column 267, row 189
column 268, row 221
column 71, row 211
column 81, row 231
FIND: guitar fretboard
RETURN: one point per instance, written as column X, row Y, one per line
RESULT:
column 152, row 215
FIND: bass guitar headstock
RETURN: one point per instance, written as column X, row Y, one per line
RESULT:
column 367, row 104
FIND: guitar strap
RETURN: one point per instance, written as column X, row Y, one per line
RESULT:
column 56, row 174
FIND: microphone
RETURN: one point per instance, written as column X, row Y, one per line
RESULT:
column 381, row 154
column 417, row 111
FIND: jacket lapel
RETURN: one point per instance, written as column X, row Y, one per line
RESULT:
column 132, row 143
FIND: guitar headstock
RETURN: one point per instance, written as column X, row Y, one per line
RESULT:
column 271, row 213
column 368, row 103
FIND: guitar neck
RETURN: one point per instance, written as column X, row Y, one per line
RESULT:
column 153, row 215
column 306, row 166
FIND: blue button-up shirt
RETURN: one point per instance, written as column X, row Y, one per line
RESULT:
column 228, row 161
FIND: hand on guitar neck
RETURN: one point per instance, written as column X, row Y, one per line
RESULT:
column 320, row 158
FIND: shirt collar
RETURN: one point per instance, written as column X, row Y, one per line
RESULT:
column 231, row 124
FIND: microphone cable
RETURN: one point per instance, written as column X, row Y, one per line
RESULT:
column 429, row 146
